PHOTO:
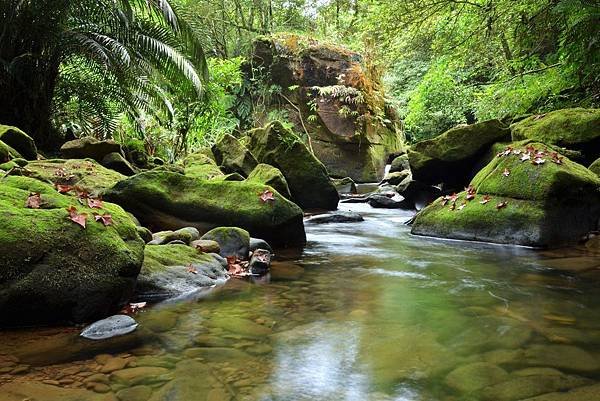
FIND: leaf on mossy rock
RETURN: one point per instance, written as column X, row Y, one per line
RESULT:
column 266, row 196
column 470, row 190
column 76, row 217
column 34, row 200
column 501, row 205
column 95, row 203
column 63, row 189
column 191, row 269
column 506, row 172
column 105, row 218
column 486, row 199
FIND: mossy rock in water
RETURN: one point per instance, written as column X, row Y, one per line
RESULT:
column 55, row 270
column 576, row 129
column 233, row 241
column 549, row 204
column 171, row 270
column 19, row 141
column 233, row 157
column 198, row 165
column 271, row 176
column 450, row 158
column 85, row 174
column 306, row 176
column 166, row 200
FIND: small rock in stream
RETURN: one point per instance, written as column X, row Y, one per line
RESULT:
column 113, row 326
column 260, row 262
column 335, row 217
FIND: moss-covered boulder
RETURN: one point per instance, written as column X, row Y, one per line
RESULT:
column 451, row 157
column 19, row 141
column 576, row 129
column 400, row 163
column 167, row 200
column 200, row 166
column 115, row 161
column 135, row 152
column 333, row 96
column 7, row 153
column 306, row 176
column 89, row 148
column 595, row 167
column 54, row 270
column 527, row 196
column 233, row 241
column 233, row 157
column 85, row 174
column 271, row 176
column 172, row 270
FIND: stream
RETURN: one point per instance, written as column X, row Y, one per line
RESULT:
column 365, row 312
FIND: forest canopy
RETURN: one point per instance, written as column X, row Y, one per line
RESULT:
column 170, row 72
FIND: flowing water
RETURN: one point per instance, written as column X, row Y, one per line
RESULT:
column 365, row 312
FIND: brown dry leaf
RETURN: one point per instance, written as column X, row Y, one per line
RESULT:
column 76, row 217
column 501, row 205
column 506, row 172
column 486, row 199
column 266, row 196
column 34, row 200
column 105, row 218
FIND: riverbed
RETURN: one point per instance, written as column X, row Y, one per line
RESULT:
column 365, row 311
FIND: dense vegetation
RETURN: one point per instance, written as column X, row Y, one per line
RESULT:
column 137, row 68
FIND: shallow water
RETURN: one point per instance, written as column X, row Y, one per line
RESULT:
column 365, row 312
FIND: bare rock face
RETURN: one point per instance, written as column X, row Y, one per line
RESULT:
column 334, row 97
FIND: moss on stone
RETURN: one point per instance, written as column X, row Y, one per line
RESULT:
column 233, row 157
column 595, row 167
column 200, row 166
column 7, row 153
column 566, row 127
column 84, row 173
column 271, row 176
column 53, row 269
column 166, row 200
column 19, row 141
column 306, row 176
column 159, row 257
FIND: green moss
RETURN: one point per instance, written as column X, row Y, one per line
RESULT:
column 53, row 269
column 200, row 166
column 169, row 200
column 159, row 257
column 7, row 153
column 568, row 180
column 565, row 127
column 595, row 167
column 86, row 174
column 271, row 176
column 19, row 141
column 233, row 157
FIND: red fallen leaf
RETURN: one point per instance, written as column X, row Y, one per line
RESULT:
column 507, row 151
column 538, row 160
column 506, row 172
column 453, row 197
column 63, row 189
column 530, row 149
column 191, row 269
column 486, row 199
column 82, row 193
column 525, row 157
column 78, row 218
column 237, row 267
column 94, row 203
column 470, row 192
column 133, row 308
column 540, row 153
column 517, row 151
column 34, row 200
column 556, row 158
column 462, row 206
column 266, row 196
column 501, row 205
column 105, row 218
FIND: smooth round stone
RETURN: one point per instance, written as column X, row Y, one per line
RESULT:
column 564, row 357
column 136, row 393
column 113, row 326
column 475, row 376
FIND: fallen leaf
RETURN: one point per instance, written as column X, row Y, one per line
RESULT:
column 63, row 189
column 133, row 308
column 525, row 157
column 486, row 199
column 105, row 218
column 94, row 203
column 507, row 151
column 516, row 151
column 191, row 269
column 462, row 206
column 501, row 205
column 76, row 217
column 34, row 200
column 470, row 192
column 506, row 172
column 537, row 161
column 266, row 196
column 82, row 193
column 556, row 158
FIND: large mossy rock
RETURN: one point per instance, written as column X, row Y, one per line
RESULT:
column 451, row 157
column 7, row 153
column 575, row 129
column 165, row 200
column 271, row 176
column 89, row 148
column 332, row 95
column 53, row 270
column 306, row 176
column 84, row 174
column 595, row 167
column 173, row 270
column 547, row 205
column 233, row 157
column 200, row 166
column 19, row 141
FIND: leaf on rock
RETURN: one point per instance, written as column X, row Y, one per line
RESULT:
column 462, row 205
column 76, row 217
column 506, row 172
column 63, row 189
column 501, row 205
column 133, row 308
column 191, row 269
column 237, row 268
column 486, row 199
column 95, row 203
column 266, row 196
column 525, row 157
column 538, row 160
column 470, row 192
column 34, row 200
column 82, row 193
column 105, row 218
column 556, row 158
column 517, row 152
